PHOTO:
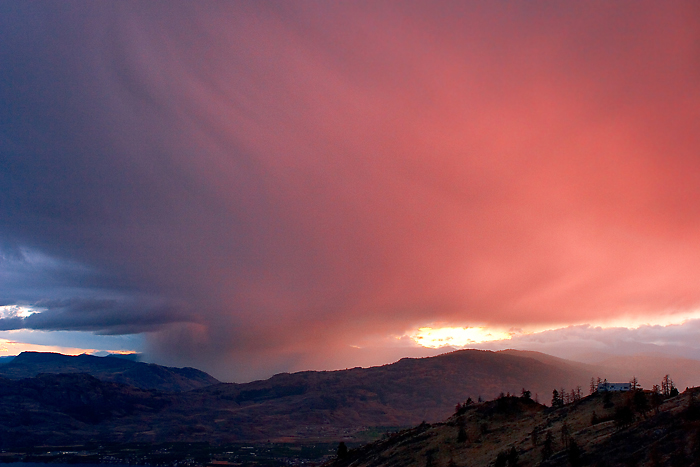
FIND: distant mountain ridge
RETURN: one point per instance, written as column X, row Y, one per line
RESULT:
column 307, row 406
column 304, row 406
column 111, row 369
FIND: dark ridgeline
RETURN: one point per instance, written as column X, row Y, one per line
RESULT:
column 310, row 405
column 114, row 369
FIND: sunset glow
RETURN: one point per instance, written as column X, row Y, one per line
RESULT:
column 250, row 186
column 456, row 336
column 8, row 347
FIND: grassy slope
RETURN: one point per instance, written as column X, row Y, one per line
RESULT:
column 670, row 436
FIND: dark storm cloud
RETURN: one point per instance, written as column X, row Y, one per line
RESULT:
column 96, row 315
column 251, row 182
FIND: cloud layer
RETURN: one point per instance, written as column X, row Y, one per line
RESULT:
column 254, row 184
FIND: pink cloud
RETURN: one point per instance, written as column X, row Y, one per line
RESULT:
column 301, row 175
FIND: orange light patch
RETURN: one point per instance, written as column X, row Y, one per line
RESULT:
column 456, row 336
column 8, row 347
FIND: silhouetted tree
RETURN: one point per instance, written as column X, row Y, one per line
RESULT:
column 484, row 428
column 593, row 388
column 656, row 398
column 556, row 399
column 501, row 459
column 607, row 400
column 512, row 457
column 547, row 448
column 666, row 384
column 640, row 402
column 655, row 456
column 692, row 411
column 695, row 453
column 634, row 383
column 462, row 435
column 535, row 436
column 342, row 450
column 624, row 416
column 574, row 454
column 429, row 457
column 565, row 435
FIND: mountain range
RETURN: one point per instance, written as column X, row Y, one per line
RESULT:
column 112, row 369
column 58, row 400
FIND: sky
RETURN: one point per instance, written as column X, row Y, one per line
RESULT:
column 254, row 187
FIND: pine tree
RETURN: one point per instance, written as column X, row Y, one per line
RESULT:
column 342, row 450
column 556, row 399
column 547, row 448
column 634, row 383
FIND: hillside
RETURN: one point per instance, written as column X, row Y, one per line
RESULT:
column 112, row 369
column 355, row 405
column 306, row 406
column 590, row 432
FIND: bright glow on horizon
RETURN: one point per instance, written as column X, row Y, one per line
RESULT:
column 456, row 336
column 10, row 348
column 451, row 336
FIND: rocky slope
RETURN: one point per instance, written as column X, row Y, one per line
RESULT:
column 596, row 431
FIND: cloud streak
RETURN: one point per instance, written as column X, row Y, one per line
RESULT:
column 249, row 183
